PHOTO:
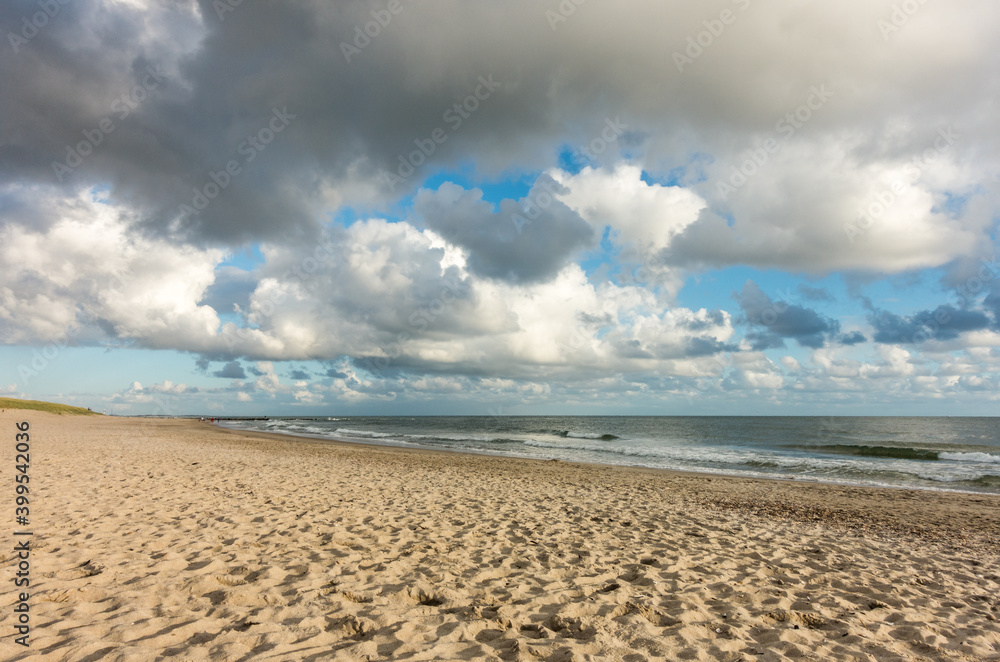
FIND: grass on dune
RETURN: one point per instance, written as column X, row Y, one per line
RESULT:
column 37, row 405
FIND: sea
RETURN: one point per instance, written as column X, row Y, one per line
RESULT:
column 930, row 453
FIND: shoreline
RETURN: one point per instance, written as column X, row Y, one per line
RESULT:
column 160, row 537
column 638, row 467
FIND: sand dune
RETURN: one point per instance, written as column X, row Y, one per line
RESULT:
column 159, row 539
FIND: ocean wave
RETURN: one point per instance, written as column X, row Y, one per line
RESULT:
column 475, row 439
column 963, row 481
column 425, row 438
column 864, row 465
column 367, row 434
column 985, row 458
column 891, row 452
column 901, row 453
column 989, row 481
column 595, row 435
column 584, row 435
column 680, row 457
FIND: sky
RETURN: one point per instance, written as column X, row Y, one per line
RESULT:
column 219, row 207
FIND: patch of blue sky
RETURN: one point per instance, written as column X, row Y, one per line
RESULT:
column 570, row 160
column 903, row 294
column 953, row 204
column 910, row 292
column 673, row 177
column 347, row 216
column 101, row 194
column 512, row 186
column 41, row 371
column 494, row 191
column 715, row 289
column 247, row 258
column 231, row 316
column 603, row 263
column 691, row 172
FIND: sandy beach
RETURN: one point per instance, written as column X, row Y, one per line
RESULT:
column 171, row 539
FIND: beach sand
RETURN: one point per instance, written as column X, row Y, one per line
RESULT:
column 171, row 539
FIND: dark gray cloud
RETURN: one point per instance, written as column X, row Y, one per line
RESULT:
column 219, row 81
column 761, row 340
column 299, row 375
column 267, row 88
column 232, row 370
column 506, row 244
column 775, row 321
column 943, row 323
column 853, row 338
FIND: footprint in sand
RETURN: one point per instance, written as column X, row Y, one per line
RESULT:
column 654, row 616
column 425, row 597
column 85, row 569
